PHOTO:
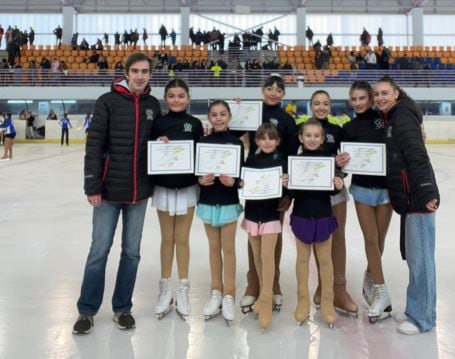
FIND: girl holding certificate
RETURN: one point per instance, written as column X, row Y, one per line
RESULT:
column 313, row 223
column 175, row 196
column 372, row 201
column 262, row 221
column 415, row 196
column 219, row 209
column 273, row 92
column 320, row 108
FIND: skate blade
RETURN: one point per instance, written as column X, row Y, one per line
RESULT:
column 182, row 316
column 228, row 322
column 347, row 313
column 383, row 316
column 160, row 316
column 247, row 309
column 208, row 317
column 276, row 307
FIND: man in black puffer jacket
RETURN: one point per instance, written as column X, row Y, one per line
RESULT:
column 115, row 182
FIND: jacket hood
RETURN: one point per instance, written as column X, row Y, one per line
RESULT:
column 120, row 85
column 406, row 104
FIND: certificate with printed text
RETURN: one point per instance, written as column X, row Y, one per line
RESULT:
column 311, row 173
column 366, row 158
column 246, row 115
column 218, row 159
column 170, row 158
column 261, row 183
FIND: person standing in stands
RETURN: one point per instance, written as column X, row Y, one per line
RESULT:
column 65, row 124
column 58, row 32
column 116, row 182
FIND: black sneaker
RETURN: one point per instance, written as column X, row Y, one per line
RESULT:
column 83, row 325
column 124, row 320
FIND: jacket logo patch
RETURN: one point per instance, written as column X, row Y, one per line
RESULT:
column 187, row 127
column 149, row 113
column 274, row 122
column 379, row 123
column 389, row 132
column 329, row 137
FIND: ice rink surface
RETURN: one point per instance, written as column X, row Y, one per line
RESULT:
column 45, row 225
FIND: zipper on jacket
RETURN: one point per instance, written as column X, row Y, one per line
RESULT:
column 106, row 166
column 136, row 135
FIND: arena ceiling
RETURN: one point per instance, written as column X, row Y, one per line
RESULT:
column 230, row 6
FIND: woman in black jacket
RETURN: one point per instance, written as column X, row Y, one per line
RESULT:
column 414, row 195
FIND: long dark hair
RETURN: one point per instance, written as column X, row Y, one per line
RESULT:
column 402, row 95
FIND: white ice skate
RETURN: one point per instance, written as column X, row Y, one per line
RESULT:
column 213, row 306
column 246, row 303
column 182, row 302
column 165, row 300
column 277, row 302
column 228, row 308
column 381, row 307
column 368, row 289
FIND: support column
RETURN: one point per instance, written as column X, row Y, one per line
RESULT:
column 185, row 25
column 68, row 13
column 301, row 25
column 417, row 26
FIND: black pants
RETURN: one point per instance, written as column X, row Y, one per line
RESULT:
column 65, row 133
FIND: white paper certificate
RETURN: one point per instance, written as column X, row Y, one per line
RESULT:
column 261, row 183
column 218, row 159
column 366, row 158
column 311, row 173
column 170, row 158
column 246, row 115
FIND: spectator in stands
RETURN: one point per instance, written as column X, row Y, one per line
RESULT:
column 99, row 45
column 117, row 38
column 31, row 36
column 259, row 33
column 45, row 64
column 2, row 32
column 318, row 59
column 102, row 63
column 329, row 40
column 326, row 55
column 145, row 36
column 84, row 44
column 383, row 58
column 276, row 36
column 173, row 37
column 119, row 68
column 64, row 67
column 370, row 59
column 403, row 62
column 58, row 32
column 380, row 38
column 192, row 36
column 317, row 46
column 106, row 38
column 309, row 35
column 352, row 61
column 365, row 38
column 94, row 58
column 270, row 40
column 216, row 69
column 134, row 37
column 74, row 38
column 125, row 38
column 163, row 34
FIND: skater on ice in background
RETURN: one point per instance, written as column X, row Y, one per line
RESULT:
column 313, row 223
column 262, row 220
column 372, row 202
column 321, row 108
column 175, row 197
column 415, row 196
column 219, row 209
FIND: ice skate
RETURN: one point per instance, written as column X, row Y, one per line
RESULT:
column 263, row 307
column 327, row 308
column 182, row 302
column 213, row 306
column 165, row 300
column 381, row 307
column 367, row 289
column 302, row 312
column 277, row 302
column 343, row 301
column 228, row 309
column 246, row 303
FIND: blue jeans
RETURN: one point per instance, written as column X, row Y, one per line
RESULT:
column 420, row 253
column 105, row 219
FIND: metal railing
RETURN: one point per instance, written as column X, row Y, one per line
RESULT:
column 229, row 78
